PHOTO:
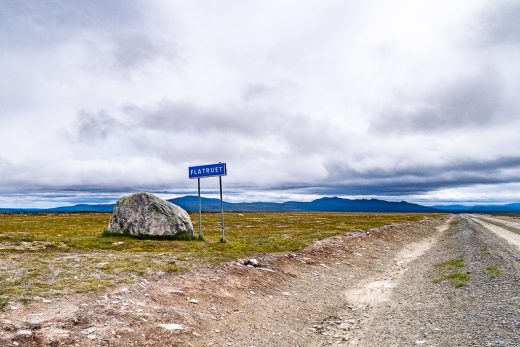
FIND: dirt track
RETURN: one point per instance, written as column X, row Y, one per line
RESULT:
column 362, row 289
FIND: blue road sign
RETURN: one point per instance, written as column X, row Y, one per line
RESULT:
column 207, row 170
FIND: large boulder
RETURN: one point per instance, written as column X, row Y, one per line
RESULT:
column 144, row 214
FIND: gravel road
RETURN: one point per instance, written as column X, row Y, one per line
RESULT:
column 483, row 312
column 444, row 281
column 399, row 296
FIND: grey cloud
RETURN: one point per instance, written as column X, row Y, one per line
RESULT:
column 134, row 49
column 500, row 23
column 174, row 116
column 468, row 102
column 91, row 24
column 257, row 91
column 243, row 120
column 419, row 179
column 397, row 185
column 38, row 177
column 46, row 22
column 299, row 131
column 469, row 167
column 167, row 130
column 401, row 186
column 168, row 121
column 180, row 133
column 97, row 126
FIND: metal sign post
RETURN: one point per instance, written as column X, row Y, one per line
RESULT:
column 200, row 210
column 210, row 170
column 221, row 210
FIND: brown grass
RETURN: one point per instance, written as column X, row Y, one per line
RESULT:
column 45, row 255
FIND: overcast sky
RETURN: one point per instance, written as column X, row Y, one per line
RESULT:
column 415, row 100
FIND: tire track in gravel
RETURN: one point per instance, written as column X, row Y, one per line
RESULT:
column 367, row 297
column 380, row 290
column 305, row 309
column 424, row 312
column 507, row 230
column 501, row 221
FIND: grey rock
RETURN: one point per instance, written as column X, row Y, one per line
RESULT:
column 172, row 326
column 23, row 333
column 144, row 214
column 34, row 325
column 252, row 262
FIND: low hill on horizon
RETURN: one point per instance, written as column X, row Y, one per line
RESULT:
column 326, row 204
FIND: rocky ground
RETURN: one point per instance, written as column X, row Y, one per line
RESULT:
column 437, row 282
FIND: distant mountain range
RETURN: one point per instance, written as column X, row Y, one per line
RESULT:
column 190, row 203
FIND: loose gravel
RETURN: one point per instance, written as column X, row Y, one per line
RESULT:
column 424, row 311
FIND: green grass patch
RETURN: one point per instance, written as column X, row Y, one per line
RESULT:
column 446, row 269
column 3, row 303
column 452, row 263
column 493, row 271
column 456, row 279
column 180, row 236
column 51, row 255
column 484, row 251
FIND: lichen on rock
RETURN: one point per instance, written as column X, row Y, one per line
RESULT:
column 144, row 214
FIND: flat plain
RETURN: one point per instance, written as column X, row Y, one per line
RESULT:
column 321, row 280
column 45, row 256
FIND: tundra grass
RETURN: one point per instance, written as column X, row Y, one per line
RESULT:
column 3, row 303
column 493, row 271
column 456, row 279
column 48, row 255
column 455, row 222
column 456, row 262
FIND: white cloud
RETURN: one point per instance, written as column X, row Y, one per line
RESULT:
column 301, row 97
